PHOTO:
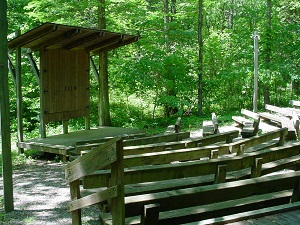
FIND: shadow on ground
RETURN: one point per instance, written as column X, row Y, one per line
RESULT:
column 41, row 196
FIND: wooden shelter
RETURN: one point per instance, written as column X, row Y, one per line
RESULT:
column 64, row 70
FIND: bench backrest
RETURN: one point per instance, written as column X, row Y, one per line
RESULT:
column 250, row 114
column 209, row 194
column 168, row 171
column 295, row 103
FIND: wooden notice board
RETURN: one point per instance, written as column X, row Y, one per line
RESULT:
column 64, row 84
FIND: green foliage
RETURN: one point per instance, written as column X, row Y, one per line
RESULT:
column 158, row 75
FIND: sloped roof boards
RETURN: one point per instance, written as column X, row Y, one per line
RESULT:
column 57, row 36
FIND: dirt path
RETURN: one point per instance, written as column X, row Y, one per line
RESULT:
column 41, row 196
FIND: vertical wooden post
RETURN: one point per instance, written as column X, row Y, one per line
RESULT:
column 65, row 124
column 256, row 168
column 229, row 139
column 75, row 194
column 255, row 94
column 19, row 94
column 4, row 113
column 42, row 98
column 241, row 150
column 296, row 193
column 150, row 214
column 117, row 178
column 87, row 122
column 214, row 154
column 282, row 137
column 220, row 176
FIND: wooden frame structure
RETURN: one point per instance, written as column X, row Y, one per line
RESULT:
column 64, row 69
column 152, row 190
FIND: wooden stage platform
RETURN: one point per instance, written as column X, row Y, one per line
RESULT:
column 62, row 144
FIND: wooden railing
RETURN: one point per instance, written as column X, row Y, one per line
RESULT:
column 108, row 154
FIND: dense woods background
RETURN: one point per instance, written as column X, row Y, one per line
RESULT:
column 182, row 57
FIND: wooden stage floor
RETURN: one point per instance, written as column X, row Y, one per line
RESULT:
column 63, row 143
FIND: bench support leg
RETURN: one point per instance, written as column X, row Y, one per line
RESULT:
column 296, row 193
column 150, row 214
column 75, row 194
column 256, row 169
column 220, row 176
column 214, row 154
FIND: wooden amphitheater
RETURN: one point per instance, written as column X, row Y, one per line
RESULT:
column 175, row 179
column 241, row 175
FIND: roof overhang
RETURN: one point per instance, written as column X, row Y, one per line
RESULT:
column 58, row 36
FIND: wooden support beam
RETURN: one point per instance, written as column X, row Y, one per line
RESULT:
column 75, row 195
column 33, row 65
column 65, row 124
column 94, row 69
column 5, row 114
column 12, row 69
column 214, row 154
column 117, row 178
column 150, row 214
column 241, row 150
column 296, row 193
column 256, row 168
column 220, row 176
column 19, row 94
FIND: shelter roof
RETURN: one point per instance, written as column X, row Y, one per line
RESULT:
column 53, row 36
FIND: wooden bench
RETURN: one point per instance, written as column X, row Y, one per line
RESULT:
column 82, row 167
column 189, row 143
column 283, row 118
column 174, row 128
column 249, row 123
column 210, row 127
column 295, row 103
column 157, row 166
column 133, row 141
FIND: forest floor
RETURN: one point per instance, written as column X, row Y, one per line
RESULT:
column 41, row 193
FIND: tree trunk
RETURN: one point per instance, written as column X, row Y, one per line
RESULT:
column 4, row 112
column 200, row 43
column 104, row 112
column 266, row 88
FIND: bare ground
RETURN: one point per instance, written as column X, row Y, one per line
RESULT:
column 41, row 196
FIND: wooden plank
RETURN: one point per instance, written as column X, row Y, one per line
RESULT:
column 203, row 141
column 279, row 110
column 295, row 103
column 250, row 114
column 203, row 212
column 256, row 168
column 156, row 147
column 220, row 175
column 75, row 195
column 104, row 155
column 189, row 197
column 117, row 178
column 189, row 169
column 169, row 156
column 92, row 199
column 248, row 215
column 252, row 141
column 19, row 95
column 5, row 115
column 150, row 215
column 241, row 120
column 156, row 139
